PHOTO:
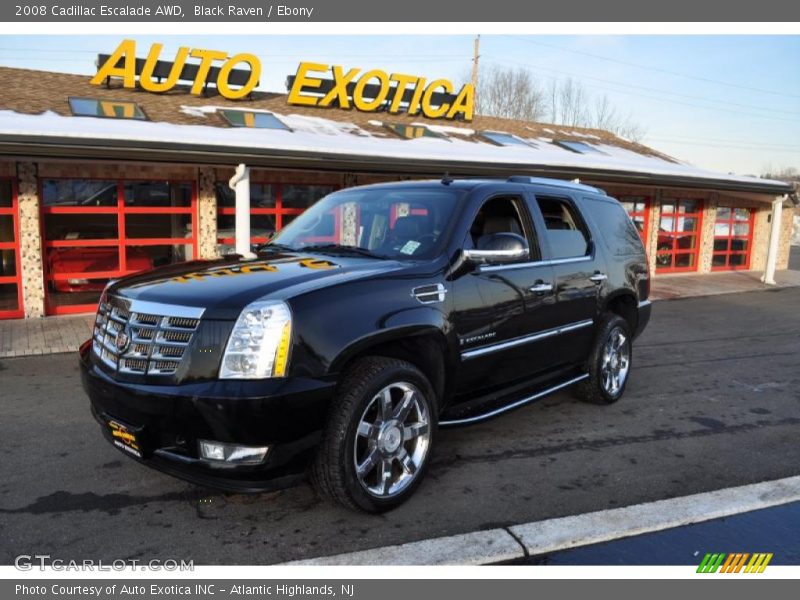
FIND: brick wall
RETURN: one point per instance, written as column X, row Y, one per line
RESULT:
column 787, row 224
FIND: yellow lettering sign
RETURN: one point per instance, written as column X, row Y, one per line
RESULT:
column 306, row 91
column 122, row 64
column 349, row 87
column 126, row 52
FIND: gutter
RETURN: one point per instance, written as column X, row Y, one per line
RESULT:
column 240, row 183
column 105, row 149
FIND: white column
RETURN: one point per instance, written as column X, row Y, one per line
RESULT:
column 240, row 183
column 774, row 241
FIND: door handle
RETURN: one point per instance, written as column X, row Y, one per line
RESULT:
column 598, row 277
column 541, row 288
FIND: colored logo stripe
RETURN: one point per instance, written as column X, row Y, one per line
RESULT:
column 734, row 562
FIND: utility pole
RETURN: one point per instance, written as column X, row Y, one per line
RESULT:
column 475, row 56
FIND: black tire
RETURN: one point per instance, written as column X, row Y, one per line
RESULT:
column 333, row 470
column 593, row 389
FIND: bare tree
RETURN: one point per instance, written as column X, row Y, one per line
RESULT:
column 789, row 174
column 516, row 94
column 571, row 104
column 510, row 93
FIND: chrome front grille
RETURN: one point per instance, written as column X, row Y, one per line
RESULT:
column 155, row 337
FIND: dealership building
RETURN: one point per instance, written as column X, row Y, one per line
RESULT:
column 97, row 181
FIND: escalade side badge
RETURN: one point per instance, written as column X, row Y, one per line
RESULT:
column 429, row 294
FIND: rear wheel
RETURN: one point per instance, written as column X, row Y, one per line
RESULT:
column 379, row 436
column 609, row 362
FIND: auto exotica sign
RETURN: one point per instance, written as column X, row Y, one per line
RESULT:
column 368, row 91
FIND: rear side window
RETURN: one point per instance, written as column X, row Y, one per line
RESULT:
column 616, row 227
column 566, row 232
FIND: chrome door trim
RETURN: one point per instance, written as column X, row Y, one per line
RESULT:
column 513, row 405
column 527, row 339
column 536, row 263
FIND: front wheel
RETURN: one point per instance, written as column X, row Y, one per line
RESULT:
column 609, row 362
column 379, row 437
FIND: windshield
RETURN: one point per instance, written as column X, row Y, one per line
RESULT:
column 382, row 222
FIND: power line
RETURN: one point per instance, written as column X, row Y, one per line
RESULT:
column 660, row 99
column 657, row 69
column 662, row 91
column 728, row 146
column 726, row 140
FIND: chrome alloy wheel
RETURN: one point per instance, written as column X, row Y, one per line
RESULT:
column 615, row 362
column 392, row 440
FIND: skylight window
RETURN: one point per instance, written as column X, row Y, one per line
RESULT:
column 506, row 139
column 257, row 120
column 111, row 109
column 410, row 132
column 579, row 147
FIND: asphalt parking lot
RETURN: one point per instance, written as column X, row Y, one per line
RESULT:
column 712, row 403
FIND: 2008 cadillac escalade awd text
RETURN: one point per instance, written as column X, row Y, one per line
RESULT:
column 378, row 315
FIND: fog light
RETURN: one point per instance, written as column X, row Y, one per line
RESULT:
column 232, row 453
column 78, row 281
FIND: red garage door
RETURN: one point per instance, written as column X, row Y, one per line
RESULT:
column 10, row 271
column 679, row 230
column 733, row 238
column 95, row 230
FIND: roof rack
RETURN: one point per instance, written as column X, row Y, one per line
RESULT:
column 574, row 184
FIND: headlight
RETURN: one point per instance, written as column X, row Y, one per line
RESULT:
column 258, row 346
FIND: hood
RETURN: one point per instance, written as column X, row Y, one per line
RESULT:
column 223, row 287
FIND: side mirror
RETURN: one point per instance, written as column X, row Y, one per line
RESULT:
column 498, row 248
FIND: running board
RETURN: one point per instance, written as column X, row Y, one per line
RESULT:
column 513, row 405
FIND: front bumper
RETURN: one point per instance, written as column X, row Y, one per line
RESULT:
column 285, row 414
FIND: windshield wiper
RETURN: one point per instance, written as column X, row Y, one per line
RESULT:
column 333, row 248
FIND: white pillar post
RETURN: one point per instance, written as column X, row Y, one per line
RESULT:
column 240, row 183
column 774, row 241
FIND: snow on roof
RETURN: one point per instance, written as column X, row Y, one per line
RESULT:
column 319, row 135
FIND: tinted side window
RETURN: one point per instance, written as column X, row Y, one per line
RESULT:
column 618, row 231
column 502, row 214
column 566, row 232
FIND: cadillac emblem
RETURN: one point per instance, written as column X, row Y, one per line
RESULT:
column 122, row 341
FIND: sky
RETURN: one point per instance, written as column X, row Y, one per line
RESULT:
column 722, row 102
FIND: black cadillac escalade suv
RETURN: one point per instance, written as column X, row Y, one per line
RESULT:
column 378, row 315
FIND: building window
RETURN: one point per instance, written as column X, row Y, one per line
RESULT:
column 257, row 120
column 112, row 109
column 733, row 237
column 96, row 230
column 579, row 147
column 410, row 132
column 272, row 207
column 638, row 209
column 506, row 139
column 10, row 270
column 679, row 229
